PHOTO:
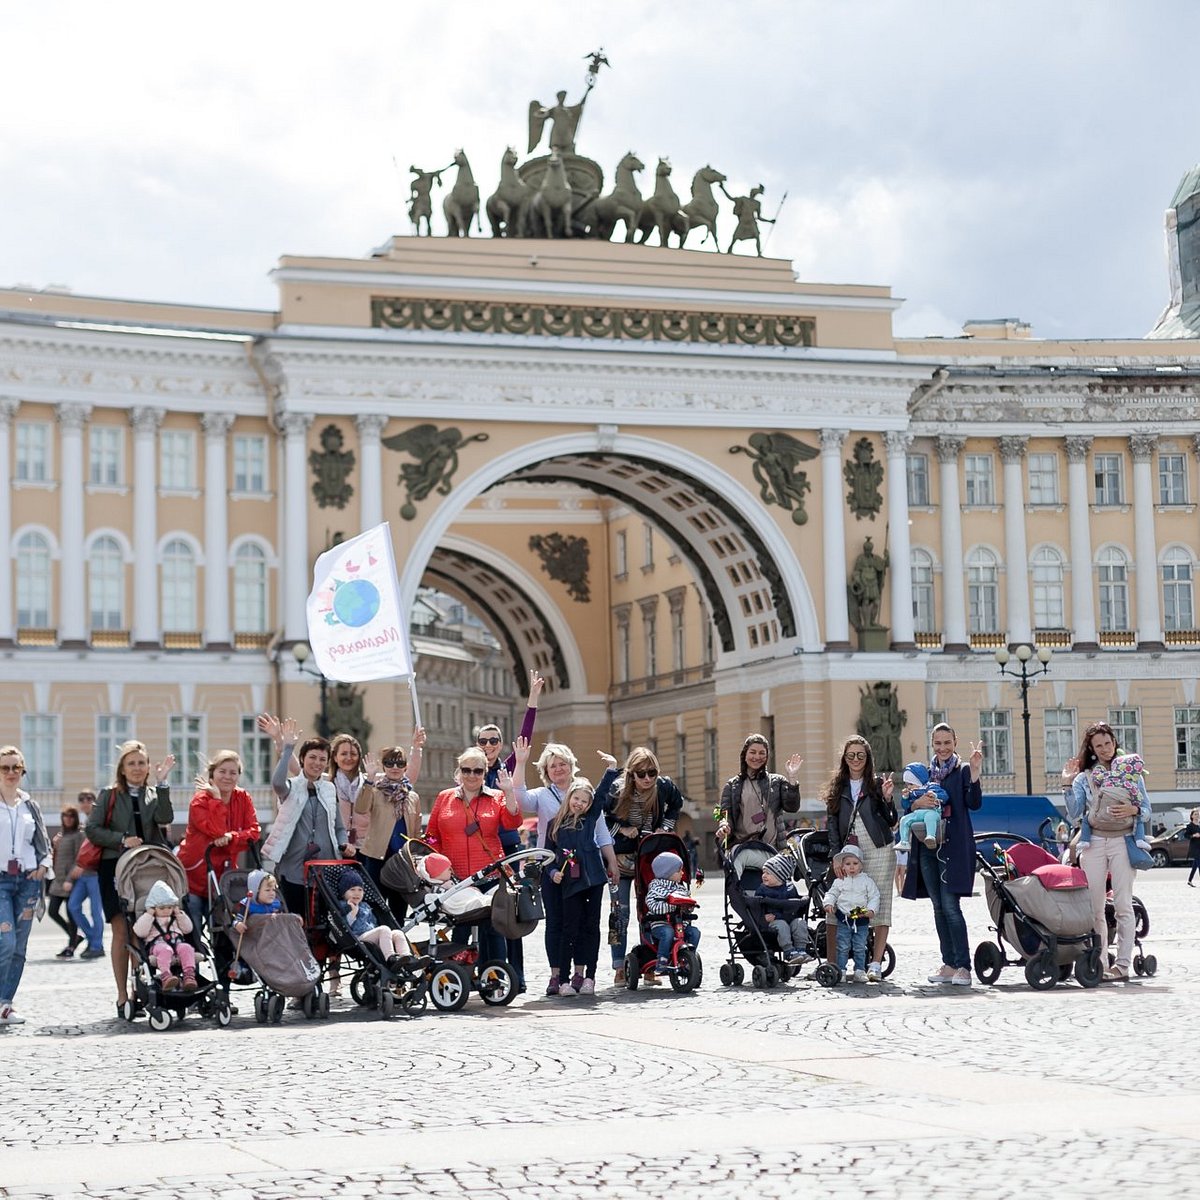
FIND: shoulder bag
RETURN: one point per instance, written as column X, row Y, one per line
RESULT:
column 89, row 856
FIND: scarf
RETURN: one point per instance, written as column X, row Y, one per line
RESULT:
column 347, row 788
column 395, row 792
column 938, row 772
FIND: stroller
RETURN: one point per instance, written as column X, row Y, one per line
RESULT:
column 377, row 982
column 641, row 959
column 1041, row 908
column 137, row 871
column 744, row 927
column 456, row 969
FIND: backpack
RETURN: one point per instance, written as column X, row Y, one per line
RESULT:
column 1100, row 818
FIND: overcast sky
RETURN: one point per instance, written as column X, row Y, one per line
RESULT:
column 1001, row 160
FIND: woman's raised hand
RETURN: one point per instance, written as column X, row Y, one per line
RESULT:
column 269, row 725
column 371, row 765
column 163, row 769
column 608, row 760
column 976, row 759
column 521, row 749
column 419, row 736
column 1070, row 770
column 289, row 732
column 889, row 786
column 536, row 683
column 204, row 784
column 793, row 765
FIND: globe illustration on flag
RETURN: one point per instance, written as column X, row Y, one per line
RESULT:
column 356, row 602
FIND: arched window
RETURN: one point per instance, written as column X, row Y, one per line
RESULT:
column 1112, row 569
column 922, row 592
column 34, row 582
column 983, row 591
column 249, row 589
column 178, row 587
column 1178, row 612
column 106, row 584
column 1046, row 569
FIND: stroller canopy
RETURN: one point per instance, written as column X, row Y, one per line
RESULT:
column 140, row 868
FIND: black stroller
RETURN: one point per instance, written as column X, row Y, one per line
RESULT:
column 745, row 930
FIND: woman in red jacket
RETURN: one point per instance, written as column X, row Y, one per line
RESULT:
column 221, row 818
column 465, row 826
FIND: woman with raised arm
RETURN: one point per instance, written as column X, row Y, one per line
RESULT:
column 390, row 804
column 754, row 800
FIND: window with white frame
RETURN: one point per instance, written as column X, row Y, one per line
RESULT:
column 1112, row 570
column 186, row 737
column 980, row 489
column 105, row 446
column 112, row 730
column 983, row 591
column 1046, row 574
column 650, row 634
column 39, row 747
column 1126, row 724
column 1178, row 610
column 922, row 592
column 622, row 647
column 250, row 463
column 258, row 755
column 918, row 480
column 106, row 584
column 933, row 717
column 250, row 589
column 995, row 733
column 1172, row 479
column 178, row 587
column 678, row 657
column 621, row 553
column 647, row 546
column 681, row 760
column 1187, row 739
column 33, row 452
column 1059, row 732
column 1108, row 471
column 1043, row 478
column 34, row 581
column 710, row 759
column 177, row 460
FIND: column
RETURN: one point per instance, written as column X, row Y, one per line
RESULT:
column 8, row 630
column 145, row 422
column 217, row 634
column 1079, row 516
column 296, row 580
column 954, row 605
column 72, row 606
column 1016, row 554
column 897, row 443
column 1149, row 610
column 370, row 426
column 837, row 613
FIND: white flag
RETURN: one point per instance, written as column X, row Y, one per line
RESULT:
column 355, row 626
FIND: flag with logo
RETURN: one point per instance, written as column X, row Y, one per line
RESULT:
column 355, row 625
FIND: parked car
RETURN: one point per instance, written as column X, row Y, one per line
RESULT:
column 1170, row 849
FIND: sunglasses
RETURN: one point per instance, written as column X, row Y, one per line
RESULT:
column 488, row 741
column 856, row 756
column 394, row 762
column 646, row 773
column 12, row 769
column 472, row 770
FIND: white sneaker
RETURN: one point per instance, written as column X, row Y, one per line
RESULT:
column 961, row 977
column 860, row 977
column 874, row 973
column 565, row 989
column 8, row 1017
column 942, row 975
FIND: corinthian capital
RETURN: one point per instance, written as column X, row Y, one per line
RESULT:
column 73, row 417
column 1012, row 449
column 897, row 442
column 1143, row 445
column 832, row 440
column 294, row 424
column 8, row 408
column 146, row 420
column 1078, row 448
column 370, row 425
column 216, row 424
column 949, row 447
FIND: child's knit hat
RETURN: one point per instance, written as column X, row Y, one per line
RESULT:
column 160, row 894
column 782, row 866
column 666, row 864
column 350, row 879
column 254, row 881
column 433, row 866
column 916, row 774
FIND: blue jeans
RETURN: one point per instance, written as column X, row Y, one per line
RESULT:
column 664, row 935
column 87, row 887
column 618, row 950
column 852, row 937
column 18, row 898
column 947, row 909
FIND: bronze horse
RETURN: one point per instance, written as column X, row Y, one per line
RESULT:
column 461, row 205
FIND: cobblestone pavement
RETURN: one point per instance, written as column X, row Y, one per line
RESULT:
column 746, row 1091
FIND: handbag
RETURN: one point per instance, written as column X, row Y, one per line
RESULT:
column 89, row 856
column 516, row 908
column 627, row 865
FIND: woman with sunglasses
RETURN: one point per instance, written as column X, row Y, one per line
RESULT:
column 753, row 801
column 859, row 805
column 637, row 801
column 465, row 826
column 387, row 799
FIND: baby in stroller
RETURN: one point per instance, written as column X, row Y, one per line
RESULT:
column 852, row 900
column 262, row 898
column 360, row 918
column 917, row 784
column 779, row 908
column 668, row 881
column 435, row 870
column 164, row 928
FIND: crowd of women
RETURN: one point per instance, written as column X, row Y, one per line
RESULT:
column 335, row 800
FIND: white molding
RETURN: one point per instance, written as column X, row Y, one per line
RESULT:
column 530, row 516
column 181, row 535
column 43, row 531
column 254, row 539
column 107, row 531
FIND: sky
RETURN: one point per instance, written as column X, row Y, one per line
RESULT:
column 1003, row 160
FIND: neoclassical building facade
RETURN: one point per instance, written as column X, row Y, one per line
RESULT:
column 651, row 473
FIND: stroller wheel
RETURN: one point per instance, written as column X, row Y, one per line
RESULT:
column 496, row 983
column 758, row 976
column 387, row 1004
column 1088, row 969
column 1041, row 972
column 827, row 975
column 449, row 986
column 308, row 1005
column 1139, row 965
column 1141, row 920
column 726, row 974
column 689, row 970
column 275, row 1010
column 772, row 976
column 739, row 974
column 260, row 1008
column 1150, row 964
column 360, row 988
column 889, row 962
column 224, row 1015
column 160, row 1019
column 323, row 1005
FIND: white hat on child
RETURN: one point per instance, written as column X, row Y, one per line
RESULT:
column 160, row 896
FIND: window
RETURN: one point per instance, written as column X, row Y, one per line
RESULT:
column 249, row 463
column 33, row 451
column 681, row 760
column 983, row 591
column 1043, row 479
column 34, row 581
column 1060, row 738
column 177, row 460
column 106, row 585
column 978, row 469
column 39, row 745
column 647, row 547
column 922, row 592
column 623, row 647
column 1112, row 568
column 1187, row 739
column 112, row 729
column 996, row 736
column 1108, row 479
column 650, row 631
column 621, row 554
column 258, row 755
column 678, row 658
column 710, row 759
column 1172, row 479
column 178, row 587
column 250, row 589
column 105, row 445
column 1177, row 589
column 1126, row 726
column 918, row 480
column 1046, row 571
column 186, row 737
column 933, row 716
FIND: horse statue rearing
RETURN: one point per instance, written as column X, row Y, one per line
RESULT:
column 508, row 206
column 553, row 201
column 623, row 203
column 662, row 210
column 461, row 206
column 702, row 208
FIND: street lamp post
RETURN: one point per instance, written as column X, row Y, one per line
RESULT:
column 1023, row 675
column 301, row 651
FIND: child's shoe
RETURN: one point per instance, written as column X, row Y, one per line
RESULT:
column 663, row 966
column 1143, row 845
column 874, row 973
column 552, row 988
column 1081, row 846
column 903, row 846
column 587, row 987
column 565, row 989
column 931, row 843
column 189, row 981
column 861, row 977
column 795, row 956
column 170, row 983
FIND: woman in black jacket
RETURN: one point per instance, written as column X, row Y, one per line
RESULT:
column 858, row 802
column 1193, row 834
column 753, row 800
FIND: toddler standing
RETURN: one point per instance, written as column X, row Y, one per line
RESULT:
column 852, row 899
